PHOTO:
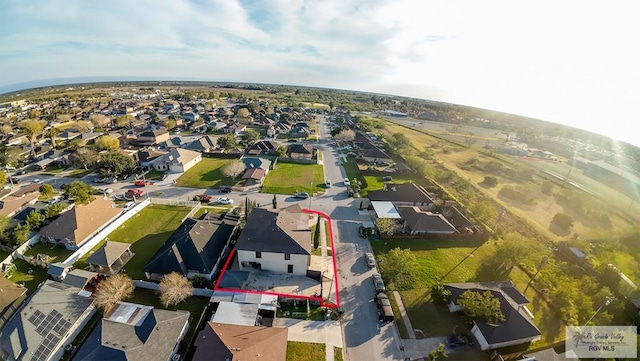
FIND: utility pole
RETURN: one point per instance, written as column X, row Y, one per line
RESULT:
column 607, row 302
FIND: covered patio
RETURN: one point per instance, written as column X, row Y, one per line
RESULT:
column 110, row 258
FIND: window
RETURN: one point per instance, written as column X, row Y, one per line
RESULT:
column 258, row 254
column 290, row 268
column 287, row 256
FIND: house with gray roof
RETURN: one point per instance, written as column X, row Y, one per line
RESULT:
column 110, row 258
column 417, row 221
column 132, row 332
column 49, row 319
column 197, row 247
column 276, row 241
column 256, row 162
column 518, row 327
column 402, row 194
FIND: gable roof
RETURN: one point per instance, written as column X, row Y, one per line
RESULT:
column 81, row 221
column 10, row 293
column 196, row 245
column 108, row 253
column 300, row 149
column 402, row 192
column 419, row 220
column 286, row 231
column 131, row 332
column 38, row 330
column 12, row 203
column 263, row 147
column 256, row 162
column 254, row 173
column 517, row 324
column 220, row 342
column 26, row 190
column 202, row 144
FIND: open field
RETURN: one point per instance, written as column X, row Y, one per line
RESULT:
column 289, row 178
column 304, row 351
column 146, row 232
column 206, row 174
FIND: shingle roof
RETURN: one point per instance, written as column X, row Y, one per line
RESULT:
column 108, row 253
column 418, row 220
column 255, row 173
column 516, row 326
column 286, row 231
column 222, row 342
column 404, row 192
column 196, row 245
column 10, row 293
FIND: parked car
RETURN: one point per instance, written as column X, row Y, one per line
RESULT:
column 204, row 198
column 225, row 189
column 105, row 190
column 56, row 199
column 223, row 200
column 454, row 341
column 385, row 312
column 301, row 195
column 371, row 260
column 134, row 192
column 350, row 191
column 362, row 231
column 327, row 184
column 141, row 183
column 387, row 178
column 38, row 180
column 97, row 180
column 128, row 206
column 346, row 182
column 378, row 284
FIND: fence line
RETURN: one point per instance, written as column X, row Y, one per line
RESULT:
column 174, row 202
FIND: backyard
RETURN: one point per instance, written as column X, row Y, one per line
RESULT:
column 290, row 178
column 30, row 276
column 206, row 174
column 146, row 232
column 58, row 253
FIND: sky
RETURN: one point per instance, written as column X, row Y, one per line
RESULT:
column 569, row 62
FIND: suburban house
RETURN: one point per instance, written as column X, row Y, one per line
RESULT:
column 254, row 176
column 256, row 163
column 203, row 144
column 11, row 298
column 300, row 130
column 271, row 131
column 177, row 160
column 110, row 258
column 190, row 116
column 151, row 137
column 300, row 151
column 263, row 147
column 518, row 327
column 78, row 225
column 223, row 342
column 146, row 156
column 133, row 332
column 50, row 319
column 403, row 194
column 417, row 221
column 196, row 248
column 15, row 203
column 276, row 241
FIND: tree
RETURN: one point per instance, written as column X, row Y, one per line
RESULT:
column 282, row 151
column 106, row 142
column 46, row 190
column 482, row 305
column 400, row 266
column 490, row 181
column 227, row 142
column 345, row 135
column 233, row 169
column 356, row 184
column 35, row 220
column 53, row 210
column 84, row 157
column 243, row 113
column 249, row 136
column 112, row 290
column 399, row 141
column 3, row 177
column 51, row 133
column 32, row 129
column 99, row 120
column 83, row 126
column 563, row 221
column 386, row 226
column 79, row 191
column 20, row 234
column 174, row 288
column 439, row 352
column 123, row 121
column 114, row 165
column 512, row 250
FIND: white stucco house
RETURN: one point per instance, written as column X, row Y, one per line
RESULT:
column 276, row 241
column 177, row 160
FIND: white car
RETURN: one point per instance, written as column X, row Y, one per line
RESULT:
column 223, row 200
column 346, row 182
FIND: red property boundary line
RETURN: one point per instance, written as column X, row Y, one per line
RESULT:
column 216, row 287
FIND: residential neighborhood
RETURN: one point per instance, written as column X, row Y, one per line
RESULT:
column 166, row 224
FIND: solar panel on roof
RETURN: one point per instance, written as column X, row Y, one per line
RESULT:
column 37, row 318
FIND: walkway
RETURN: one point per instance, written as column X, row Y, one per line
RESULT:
column 327, row 332
column 403, row 313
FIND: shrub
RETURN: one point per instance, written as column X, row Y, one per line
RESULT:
column 490, row 181
column 563, row 220
column 517, row 194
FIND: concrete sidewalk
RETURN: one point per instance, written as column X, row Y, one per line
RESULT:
column 403, row 313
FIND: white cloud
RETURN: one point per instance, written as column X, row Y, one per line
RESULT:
column 569, row 61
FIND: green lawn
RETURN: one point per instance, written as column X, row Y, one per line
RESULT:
column 31, row 280
column 337, row 354
column 376, row 182
column 147, row 231
column 79, row 173
column 154, row 175
column 206, row 174
column 303, row 351
column 289, row 178
column 220, row 209
column 195, row 306
column 3, row 254
column 59, row 253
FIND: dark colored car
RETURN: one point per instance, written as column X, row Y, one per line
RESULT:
column 362, row 231
column 301, row 195
column 225, row 189
column 378, row 284
column 454, row 341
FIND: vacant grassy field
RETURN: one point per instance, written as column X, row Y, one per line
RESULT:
column 31, row 280
column 146, row 232
column 206, row 174
column 195, row 306
column 303, row 351
column 59, row 253
column 290, row 178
